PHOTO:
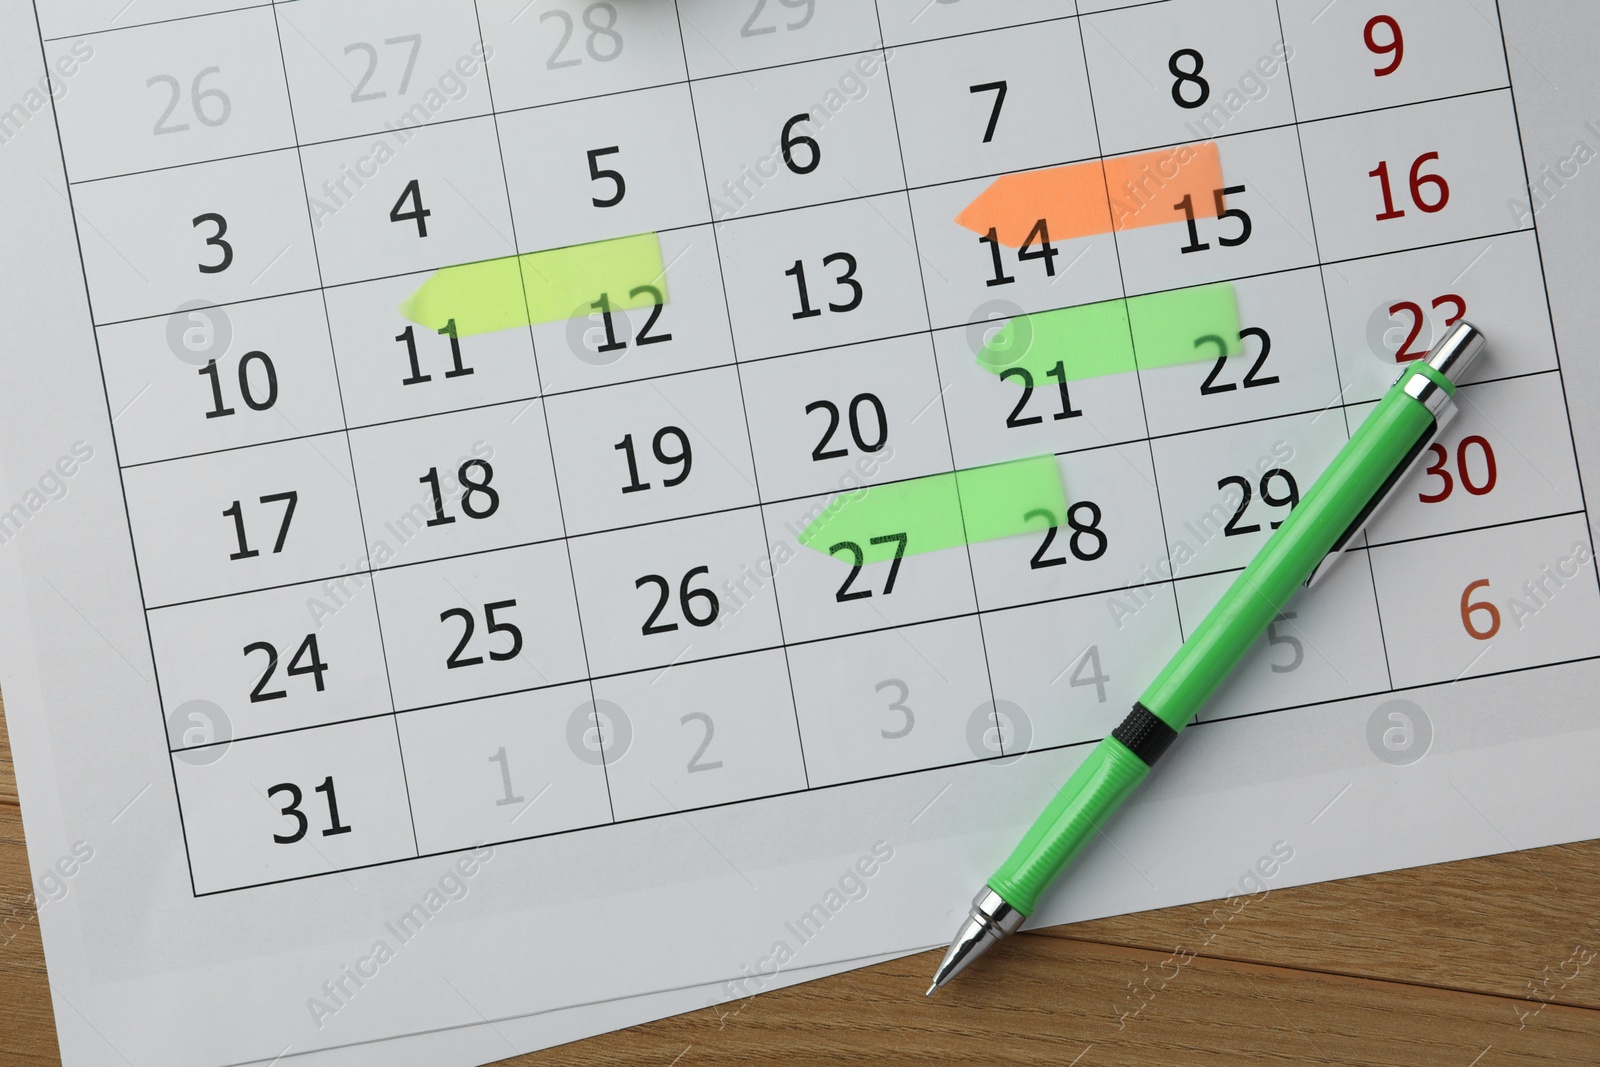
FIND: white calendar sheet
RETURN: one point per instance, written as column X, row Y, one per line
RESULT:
column 399, row 673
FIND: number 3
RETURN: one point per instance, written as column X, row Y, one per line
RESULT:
column 215, row 239
column 897, row 704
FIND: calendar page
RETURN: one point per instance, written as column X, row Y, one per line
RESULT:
column 523, row 516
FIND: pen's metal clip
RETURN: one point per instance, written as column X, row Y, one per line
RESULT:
column 1452, row 357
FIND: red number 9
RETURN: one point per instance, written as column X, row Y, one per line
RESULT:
column 1395, row 46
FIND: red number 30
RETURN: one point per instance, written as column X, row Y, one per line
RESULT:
column 1463, row 469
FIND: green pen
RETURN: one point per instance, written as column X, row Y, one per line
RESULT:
column 1328, row 517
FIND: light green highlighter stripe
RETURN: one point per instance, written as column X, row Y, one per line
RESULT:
column 940, row 511
column 1116, row 336
column 563, row 283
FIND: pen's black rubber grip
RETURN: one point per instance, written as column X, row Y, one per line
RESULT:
column 1145, row 735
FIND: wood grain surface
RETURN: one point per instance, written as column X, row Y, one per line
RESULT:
column 1481, row 963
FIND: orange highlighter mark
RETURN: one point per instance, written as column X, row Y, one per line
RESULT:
column 1147, row 189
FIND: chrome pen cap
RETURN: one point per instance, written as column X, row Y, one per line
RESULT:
column 1452, row 357
column 1457, row 351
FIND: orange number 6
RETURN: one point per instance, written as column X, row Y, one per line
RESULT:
column 1469, row 606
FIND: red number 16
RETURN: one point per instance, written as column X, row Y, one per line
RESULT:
column 1419, row 181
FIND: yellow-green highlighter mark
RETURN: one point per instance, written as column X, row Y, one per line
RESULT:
column 563, row 283
column 1116, row 336
column 883, row 522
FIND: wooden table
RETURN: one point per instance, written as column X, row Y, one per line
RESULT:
column 1472, row 964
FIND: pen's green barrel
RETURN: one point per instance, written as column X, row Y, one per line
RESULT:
column 1339, row 501
column 1331, row 511
column 1067, row 823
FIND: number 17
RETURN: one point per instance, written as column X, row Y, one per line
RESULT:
column 236, row 513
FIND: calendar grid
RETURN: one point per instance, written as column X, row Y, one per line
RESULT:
column 910, row 333
column 555, row 475
column 979, row 613
column 755, row 475
column 1342, row 405
column 927, row 310
column 1197, row 724
column 590, row 536
column 345, row 434
column 1085, row 595
column 1220, row 136
column 1327, row 312
column 1122, row 283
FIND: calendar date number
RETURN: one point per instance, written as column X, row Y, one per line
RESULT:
column 307, row 660
column 302, row 823
column 1087, row 543
column 697, row 605
column 491, row 625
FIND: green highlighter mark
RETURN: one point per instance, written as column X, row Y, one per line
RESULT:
column 563, row 283
column 882, row 522
column 1116, row 336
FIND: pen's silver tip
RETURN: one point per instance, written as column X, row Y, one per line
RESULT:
column 990, row 920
